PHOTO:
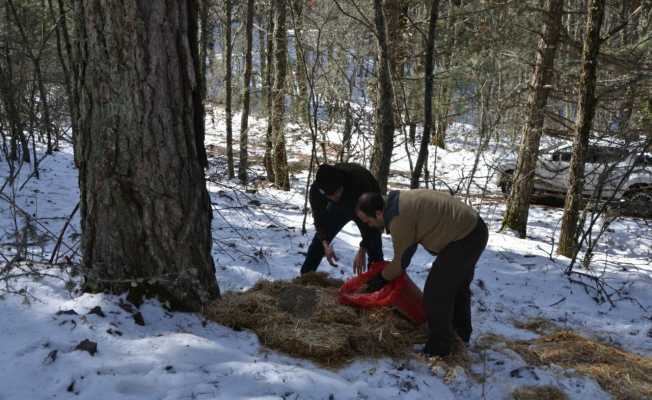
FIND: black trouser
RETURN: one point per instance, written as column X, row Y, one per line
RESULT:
column 447, row 296
column 335, row 219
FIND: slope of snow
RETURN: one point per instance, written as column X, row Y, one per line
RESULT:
column 257, row 235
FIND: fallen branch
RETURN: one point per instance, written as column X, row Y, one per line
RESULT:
column 63, row 231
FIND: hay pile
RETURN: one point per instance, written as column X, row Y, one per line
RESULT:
column 303, row 318
column 624, row 375
column 545, row 392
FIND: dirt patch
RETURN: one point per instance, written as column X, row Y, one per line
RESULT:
column 303, row 318
column 622, row 374
column 538, row 393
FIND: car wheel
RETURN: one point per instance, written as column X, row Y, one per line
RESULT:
column 505, row 182
column 638, row 202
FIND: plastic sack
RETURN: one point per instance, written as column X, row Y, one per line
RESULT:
column 401, row 293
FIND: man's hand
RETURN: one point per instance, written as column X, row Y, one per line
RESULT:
column 359, row 264
column 331, row 257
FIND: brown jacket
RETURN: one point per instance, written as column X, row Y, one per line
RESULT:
column 431, row 219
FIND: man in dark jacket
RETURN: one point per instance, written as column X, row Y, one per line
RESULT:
column 333, row 197
column 445, row 227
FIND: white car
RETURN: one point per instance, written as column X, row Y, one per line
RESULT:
column 626, row 178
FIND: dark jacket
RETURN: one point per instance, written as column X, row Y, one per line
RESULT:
column 357, row 180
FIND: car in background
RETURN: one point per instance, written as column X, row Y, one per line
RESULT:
column 611, row 174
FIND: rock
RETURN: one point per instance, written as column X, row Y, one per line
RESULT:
column 88, row 346
column 97, row 310
column 138, row 319
column 127, row 307
column 113, row 332
column 51, row 357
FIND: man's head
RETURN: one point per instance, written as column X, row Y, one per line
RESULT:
column 330, row 182
column 370, row 209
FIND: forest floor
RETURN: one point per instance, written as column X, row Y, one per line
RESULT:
column 521, row 299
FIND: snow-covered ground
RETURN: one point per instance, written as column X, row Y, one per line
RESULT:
column 257, row 235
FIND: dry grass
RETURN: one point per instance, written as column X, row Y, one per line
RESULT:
column 539, row 325
column 538, row 393
column 624, row 375
column 303, row 318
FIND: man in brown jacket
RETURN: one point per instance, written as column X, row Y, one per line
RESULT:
column 445, row 227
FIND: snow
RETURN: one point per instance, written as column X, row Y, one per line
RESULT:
column 181, row 356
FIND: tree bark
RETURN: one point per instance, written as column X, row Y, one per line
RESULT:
column 347, row 133
column 585, row 112
column 395, row 12
column 281, row 174
column 384, row 135
column 262, row 58
column 445, row 89
column 427, row 100
column 268, row 158
column 300, row 69
column 518, row 205
column 229, row 87
column 145, row 210
column 204, row 34
column 246, row 94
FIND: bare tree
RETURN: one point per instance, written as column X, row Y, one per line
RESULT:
column 443, row 99
column 65, row 59
column 267, row 88
column 384, row 136
column 246, row 94
column 35, row 57
column 145, row 210
column 518, row 205
column 228, row 62
column 585, row 112
column 11, row 90
column 427, row 93
column 281, row 174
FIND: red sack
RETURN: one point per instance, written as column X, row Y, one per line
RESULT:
column 401, row 293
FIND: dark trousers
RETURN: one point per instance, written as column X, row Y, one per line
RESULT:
column 447, row 293
column 336, row 217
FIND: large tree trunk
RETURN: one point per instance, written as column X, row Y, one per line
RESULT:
column 427, row 100
column 384, row 137
column 585, row 112
column 145, row 210
column 268, row 158
column 246, row 94
column 229, row 88
column 281, row 174
column 518, row 205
